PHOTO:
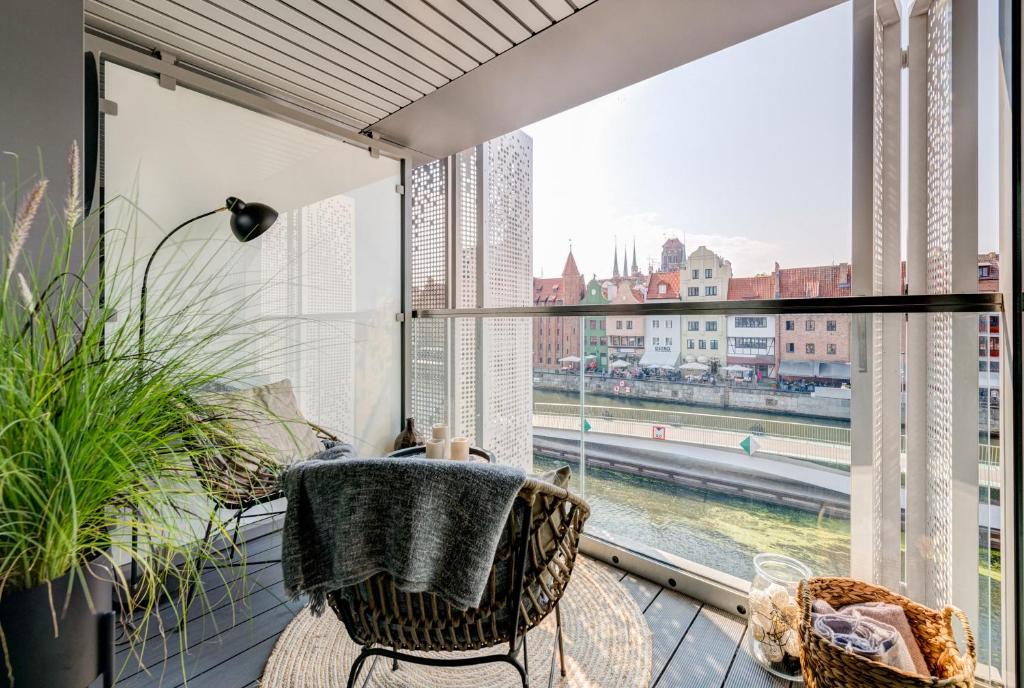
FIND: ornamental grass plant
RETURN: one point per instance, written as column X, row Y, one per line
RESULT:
column 97, row 439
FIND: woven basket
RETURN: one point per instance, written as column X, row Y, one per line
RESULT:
column 826, row 665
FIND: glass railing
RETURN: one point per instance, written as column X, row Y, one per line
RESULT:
column 696, row 456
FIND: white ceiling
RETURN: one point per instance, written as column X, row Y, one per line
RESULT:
column 437, row 76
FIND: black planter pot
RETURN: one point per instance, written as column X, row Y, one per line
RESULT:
column 84, row 647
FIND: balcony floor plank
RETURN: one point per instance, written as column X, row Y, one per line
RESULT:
column 694, row 645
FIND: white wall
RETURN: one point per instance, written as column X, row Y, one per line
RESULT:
column 330, row 269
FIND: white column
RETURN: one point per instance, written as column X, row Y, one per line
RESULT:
column 964, row 565
column 917, row 538
column 942, row 480
column 876, row 374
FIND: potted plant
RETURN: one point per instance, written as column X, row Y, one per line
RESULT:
column 96, row 443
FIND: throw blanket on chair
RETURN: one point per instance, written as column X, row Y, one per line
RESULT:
column 433, row 525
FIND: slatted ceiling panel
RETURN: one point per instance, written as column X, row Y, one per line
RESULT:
column 354, row 14
column 248, row 62
column 143, row 32
column 354, row 62
column 527, row 13
column 363, row 74
column 556, row 9
column 498, row 18
column 439, row 43
column 287, row 46
column 377, row 67
column 216, row 28
column 469, row 21
column 341, row 26
column 445, row 27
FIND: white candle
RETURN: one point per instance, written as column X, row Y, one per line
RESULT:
column 440, row 433
column 435, row 449
column 460, row 448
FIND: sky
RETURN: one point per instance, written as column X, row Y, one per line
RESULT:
column 746, row 151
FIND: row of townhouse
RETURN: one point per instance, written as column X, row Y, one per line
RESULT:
column 811, row 347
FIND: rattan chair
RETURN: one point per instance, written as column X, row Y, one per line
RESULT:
column 240, row 483
column 531, row 569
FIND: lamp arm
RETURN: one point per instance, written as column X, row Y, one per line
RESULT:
column 145, row 276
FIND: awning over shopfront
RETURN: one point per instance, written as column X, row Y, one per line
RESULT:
column 815, row 369
column 661, row 359
column 834, row 371
column 799, row 369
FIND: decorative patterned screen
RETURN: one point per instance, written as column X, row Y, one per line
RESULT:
column 886, row 330
column 507, row 342
column 429, row 283
column 307, row 269
column 939, row 276
column 476, row 373
column 464, row 389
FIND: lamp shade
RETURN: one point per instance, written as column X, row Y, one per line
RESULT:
column 249, row 220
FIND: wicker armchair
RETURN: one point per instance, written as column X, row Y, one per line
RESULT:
column 531, row 569
column 269, row 417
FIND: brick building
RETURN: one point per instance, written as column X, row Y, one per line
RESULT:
column 673, row 255
column 557, row 337
column 989, row 335
column 815, row 346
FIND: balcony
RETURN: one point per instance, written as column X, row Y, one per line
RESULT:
column 748, row 270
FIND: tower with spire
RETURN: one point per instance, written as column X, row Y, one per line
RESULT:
column 615, row 262
column 635, row 270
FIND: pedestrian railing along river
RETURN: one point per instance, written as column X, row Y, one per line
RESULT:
column 827, row 444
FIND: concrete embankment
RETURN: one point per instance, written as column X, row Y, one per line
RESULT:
column 773, row 480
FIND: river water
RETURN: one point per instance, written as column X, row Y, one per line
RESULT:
column 725, row 532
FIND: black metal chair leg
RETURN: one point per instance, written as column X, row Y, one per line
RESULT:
column 357, row 666
column 238, row 531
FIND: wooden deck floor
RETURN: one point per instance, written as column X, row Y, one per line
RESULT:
column 230, row 637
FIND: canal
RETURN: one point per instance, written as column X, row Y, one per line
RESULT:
column 725, row 532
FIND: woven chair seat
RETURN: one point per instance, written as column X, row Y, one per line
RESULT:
column 376, row 612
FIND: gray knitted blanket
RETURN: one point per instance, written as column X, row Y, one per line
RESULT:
column 433, row 525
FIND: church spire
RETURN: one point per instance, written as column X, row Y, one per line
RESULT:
column 615, row 263
column 635, row 270
column 625, row 262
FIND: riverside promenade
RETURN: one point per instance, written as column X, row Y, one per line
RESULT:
column 688, row 433
column 795, row 483
column 764, row 478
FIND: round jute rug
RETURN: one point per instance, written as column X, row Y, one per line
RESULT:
column 607, row 645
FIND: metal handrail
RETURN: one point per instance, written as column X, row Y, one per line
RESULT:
column 904, row 303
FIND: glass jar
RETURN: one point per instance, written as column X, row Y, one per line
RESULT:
column 775, row 616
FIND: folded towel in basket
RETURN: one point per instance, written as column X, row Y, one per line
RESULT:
column 877, row 630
